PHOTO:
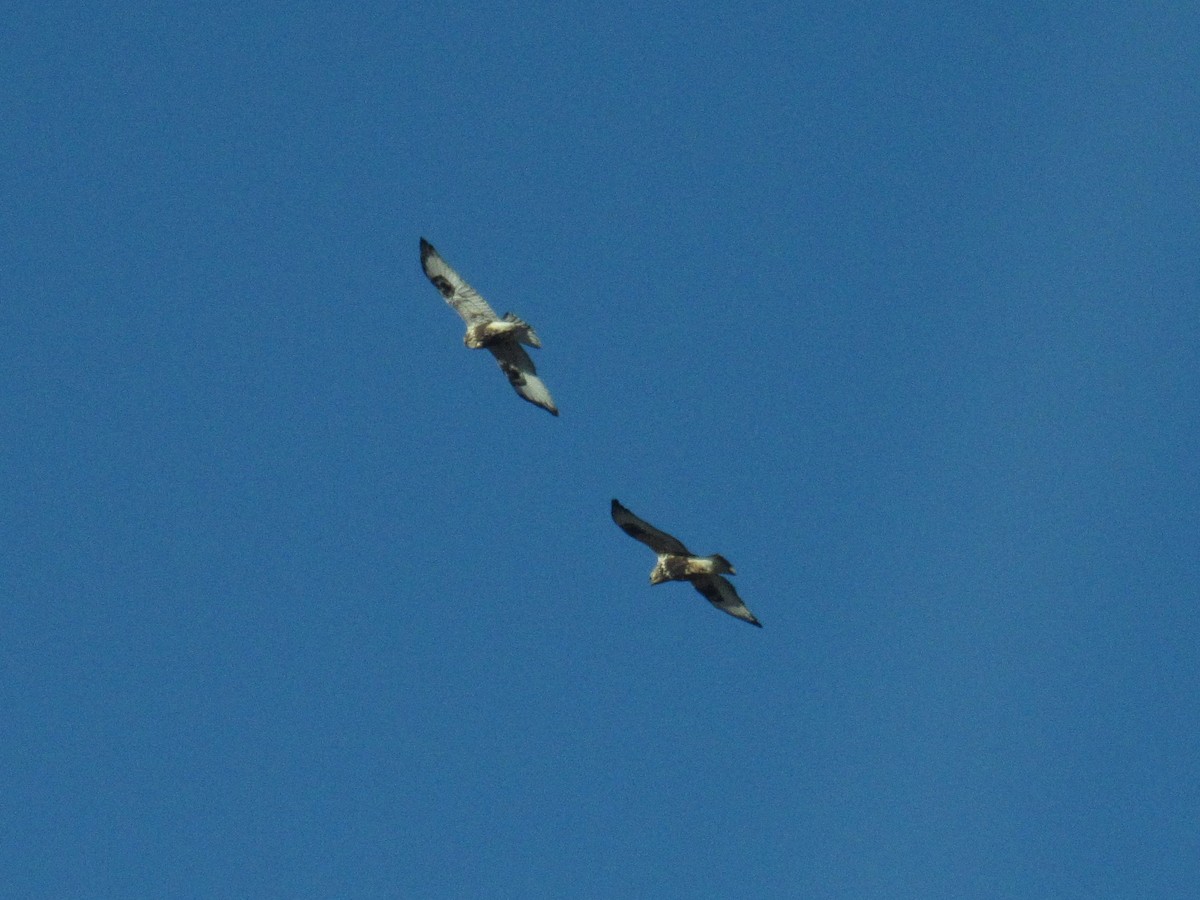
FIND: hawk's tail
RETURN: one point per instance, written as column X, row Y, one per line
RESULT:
column 524, row 332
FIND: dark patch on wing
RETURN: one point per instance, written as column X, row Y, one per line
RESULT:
column 514, row 375
column 641, row 530
column 636, row 531
column 521, row 373
column 720, row 593
column 445, row 287
column 708, row 587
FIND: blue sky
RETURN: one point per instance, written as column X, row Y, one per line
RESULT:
column 895, row 305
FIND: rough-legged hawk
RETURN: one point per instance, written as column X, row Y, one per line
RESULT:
column 502, row 335
column 677, row 563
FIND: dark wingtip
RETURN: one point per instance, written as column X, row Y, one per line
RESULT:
column 756, row 623
column 426, row 249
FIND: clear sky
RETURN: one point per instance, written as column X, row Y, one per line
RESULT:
column 894, row 305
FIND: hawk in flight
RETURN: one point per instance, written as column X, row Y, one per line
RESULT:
column 502, row 335
column 677, row 563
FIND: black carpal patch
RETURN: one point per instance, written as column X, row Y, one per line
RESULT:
column 515, row 378
column 443, row 285
column 634, row 531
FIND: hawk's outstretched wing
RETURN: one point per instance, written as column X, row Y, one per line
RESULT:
column 720, row 593
column 460, row 295
column 521, row 374
column 658, row 541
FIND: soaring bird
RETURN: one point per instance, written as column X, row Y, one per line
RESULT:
column 502, row 335
column 677, row 563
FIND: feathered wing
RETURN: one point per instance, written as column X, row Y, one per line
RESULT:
column 720, row 593
column 460, row 295
column 639, row 529
column 521, row 374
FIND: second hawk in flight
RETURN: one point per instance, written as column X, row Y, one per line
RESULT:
column 677, row 563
